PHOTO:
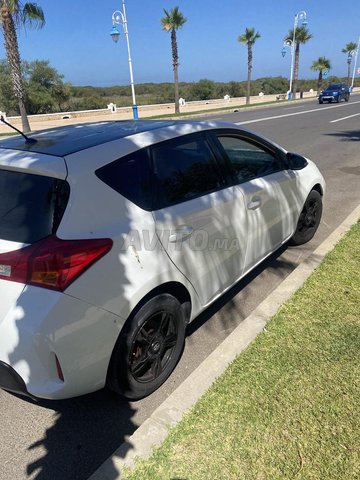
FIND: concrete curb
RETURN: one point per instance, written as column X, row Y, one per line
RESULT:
column 156, row 428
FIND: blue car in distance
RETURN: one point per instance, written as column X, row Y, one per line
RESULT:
column 335, row 92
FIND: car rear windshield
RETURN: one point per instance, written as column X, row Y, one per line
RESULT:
column 31, row 206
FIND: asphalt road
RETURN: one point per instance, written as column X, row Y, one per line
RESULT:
column 70, row 439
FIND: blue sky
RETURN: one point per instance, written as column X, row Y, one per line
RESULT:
column 76, row 39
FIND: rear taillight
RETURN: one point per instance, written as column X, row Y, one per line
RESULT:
column 51, row 262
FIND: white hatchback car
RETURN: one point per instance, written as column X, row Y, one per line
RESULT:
column 113, row 236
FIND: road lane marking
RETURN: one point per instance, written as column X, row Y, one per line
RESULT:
column 293, row 108
column 294, row 113
column 344, row 118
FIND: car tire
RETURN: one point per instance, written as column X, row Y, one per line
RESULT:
column 338, row 99
column 321, row 102
column 148, row 348
column 346, row 99
column 309, row 219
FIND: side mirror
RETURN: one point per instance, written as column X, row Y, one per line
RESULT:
column 295, row 161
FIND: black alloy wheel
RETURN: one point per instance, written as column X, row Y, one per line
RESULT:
column 153, row 346
column 309, row 219
column 148, row 348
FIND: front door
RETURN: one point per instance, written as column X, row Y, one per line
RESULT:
column 269, row 191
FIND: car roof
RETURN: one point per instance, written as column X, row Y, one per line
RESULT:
column 66, row 140
column 62, row 141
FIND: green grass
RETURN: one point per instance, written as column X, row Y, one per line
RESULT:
column 8, row 134
column 289, row 406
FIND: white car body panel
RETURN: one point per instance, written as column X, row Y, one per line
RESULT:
column 272, row 212
column 208, row 223
column 41, row 323
column 30, row 162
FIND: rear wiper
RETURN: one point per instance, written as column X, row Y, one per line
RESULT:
column 27, row 139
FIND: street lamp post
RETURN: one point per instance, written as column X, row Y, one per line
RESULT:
column 289, row 43
column 119, row 17
column 355, row 62
column 300, row 16
column 349, row 60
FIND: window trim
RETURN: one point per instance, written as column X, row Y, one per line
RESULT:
column 186, row 139
column 253, row 140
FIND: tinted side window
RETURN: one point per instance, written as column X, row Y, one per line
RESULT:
column 130, row 176
column 247, row 159
column 31, row 206
column 184, row 169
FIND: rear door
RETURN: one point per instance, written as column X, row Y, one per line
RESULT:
column 195, row 212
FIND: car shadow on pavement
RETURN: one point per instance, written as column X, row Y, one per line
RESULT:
column 85, row 432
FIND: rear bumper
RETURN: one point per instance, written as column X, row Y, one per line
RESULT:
column 39, row 327
column 10, row 380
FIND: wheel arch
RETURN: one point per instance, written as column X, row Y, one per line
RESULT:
column 176, row 289
column 318, row 188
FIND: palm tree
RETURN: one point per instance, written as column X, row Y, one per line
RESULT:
column 172, row 21
column 350, row 48
column 13, row 14
column 302, row 35
column 321, row 64
column 249, row 38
